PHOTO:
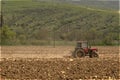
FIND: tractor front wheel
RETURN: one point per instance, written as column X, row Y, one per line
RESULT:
column 93, row 54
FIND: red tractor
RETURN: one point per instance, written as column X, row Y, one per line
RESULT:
column 83, row 49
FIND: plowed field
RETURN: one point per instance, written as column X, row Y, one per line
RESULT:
column 47, row 63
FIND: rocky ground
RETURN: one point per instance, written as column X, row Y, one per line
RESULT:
column 105, row 67
column 60, row 69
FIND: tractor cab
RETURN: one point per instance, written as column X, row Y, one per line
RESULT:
column 82, row 44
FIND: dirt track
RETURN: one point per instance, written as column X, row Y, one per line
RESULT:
column 50, row 52
column 58, row 66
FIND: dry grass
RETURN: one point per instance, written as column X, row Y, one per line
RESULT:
column 50, row 52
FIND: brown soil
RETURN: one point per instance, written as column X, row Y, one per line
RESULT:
column 59, row 68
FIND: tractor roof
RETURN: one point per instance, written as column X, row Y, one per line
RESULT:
column 81, row 41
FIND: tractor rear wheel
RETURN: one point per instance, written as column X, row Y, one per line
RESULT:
column 93, row 54
column 79, row 53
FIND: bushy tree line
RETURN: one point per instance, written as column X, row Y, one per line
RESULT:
column 45, row 37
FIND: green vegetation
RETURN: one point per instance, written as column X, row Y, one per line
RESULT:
column 102, row 4
column 7, row 35
column 38, row 23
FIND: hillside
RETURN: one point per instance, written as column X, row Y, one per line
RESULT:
column 101, row 4
column 39, row 20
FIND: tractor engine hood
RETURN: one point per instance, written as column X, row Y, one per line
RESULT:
column 94, row 49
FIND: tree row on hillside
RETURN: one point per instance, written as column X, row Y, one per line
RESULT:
column 9, row 37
